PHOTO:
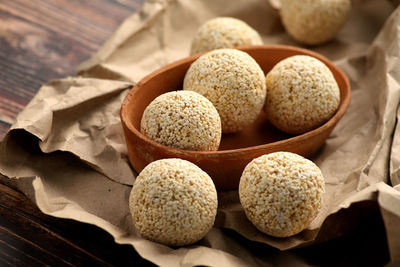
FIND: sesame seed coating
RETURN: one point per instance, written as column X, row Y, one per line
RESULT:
column 182, row 119
column 173, row 202
column 314, row 21
column 302, row 94
column 233, row 81
column 223, row 32
column 281, row 193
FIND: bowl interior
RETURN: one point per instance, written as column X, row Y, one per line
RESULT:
column 170, row 78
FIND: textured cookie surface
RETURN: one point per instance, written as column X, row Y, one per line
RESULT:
column 182, row 119
column 302, row 94
column 223, row 32
column 233, row 81
column 314, row 21
column 173, row 202
column 281, row 193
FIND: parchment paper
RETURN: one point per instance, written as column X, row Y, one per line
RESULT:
column 66, row 150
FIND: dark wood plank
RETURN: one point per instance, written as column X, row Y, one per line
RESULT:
column 86, row 22
column 67, row 240
column 46, row 39
column 42, row 238
column 13, row 250
column 40, row 41
column 3, row 260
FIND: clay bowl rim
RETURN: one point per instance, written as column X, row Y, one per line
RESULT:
column 344, row 103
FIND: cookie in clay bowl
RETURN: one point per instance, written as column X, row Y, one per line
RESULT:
column 236, row 150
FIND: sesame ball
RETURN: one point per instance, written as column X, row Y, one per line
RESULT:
column 233, row 81
column 281, row 193
column 182, row 119
column 302, row 94
column 314, row 21
column 173, row 202
column 223, row 32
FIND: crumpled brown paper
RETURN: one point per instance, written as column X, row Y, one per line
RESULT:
column 67, row 147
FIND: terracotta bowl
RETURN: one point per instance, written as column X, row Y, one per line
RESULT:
column 226, row 165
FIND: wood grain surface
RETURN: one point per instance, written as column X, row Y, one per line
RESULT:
column 42, row 40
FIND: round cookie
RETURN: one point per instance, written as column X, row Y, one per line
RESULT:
column 302, row 94
column 281, row 193
column 223, row 32
column 173, row 202
column 314, row 21
column 182, row 119
column 233, row 81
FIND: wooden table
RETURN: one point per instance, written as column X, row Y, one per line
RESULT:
column 41, row 40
